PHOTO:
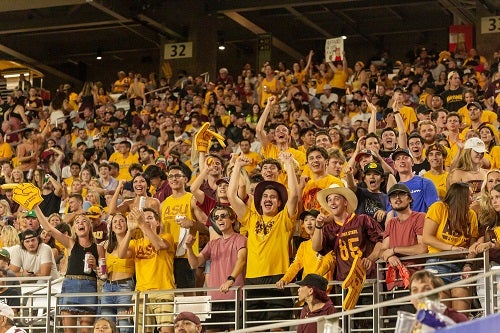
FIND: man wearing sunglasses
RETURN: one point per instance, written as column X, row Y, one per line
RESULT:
column 228, row 257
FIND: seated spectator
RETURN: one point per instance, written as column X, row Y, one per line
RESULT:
column 9, row 237
column 423, row 281
column 105, row 325
column 33, row 257
column 5, row 212
column 4, row 265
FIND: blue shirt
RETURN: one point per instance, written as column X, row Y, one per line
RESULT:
column 423, row 192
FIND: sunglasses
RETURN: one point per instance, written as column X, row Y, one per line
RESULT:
column 177, row 175
column 222, row 216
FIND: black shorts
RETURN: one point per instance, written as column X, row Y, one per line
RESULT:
column 222, row 321
column 183, row 274
column 273, row 300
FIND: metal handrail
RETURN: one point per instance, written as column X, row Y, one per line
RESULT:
column 338, row 315
column 44, row 283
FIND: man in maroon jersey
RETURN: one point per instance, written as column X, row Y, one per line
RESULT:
column 349, row 235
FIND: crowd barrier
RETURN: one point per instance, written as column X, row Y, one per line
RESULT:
column 38, row 310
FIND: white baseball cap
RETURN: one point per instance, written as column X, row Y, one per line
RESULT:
column 475, row 144
column 6, row 311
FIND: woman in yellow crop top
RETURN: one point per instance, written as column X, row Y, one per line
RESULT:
column 120, row 276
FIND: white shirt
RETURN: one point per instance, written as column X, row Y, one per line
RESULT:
column 31, row 262
column 15, row 329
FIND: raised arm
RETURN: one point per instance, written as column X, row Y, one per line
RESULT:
column 317, row 237
column 372, row 125
column 195, row 261
column 200, row 218
column 360, row 145
column 157, row 242
column 400, row 123
column 113, row 203
column 344, row 62
column 124, row 244
column 309, row 60
column 349, row 177
column 57, row 186
column 236, row 202
column 65, row 240
column 196, row 185
column 261, row 133
column 293, row 185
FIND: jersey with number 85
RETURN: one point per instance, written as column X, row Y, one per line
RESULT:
column 358, row 236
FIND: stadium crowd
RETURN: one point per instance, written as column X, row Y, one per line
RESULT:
column 166, row 182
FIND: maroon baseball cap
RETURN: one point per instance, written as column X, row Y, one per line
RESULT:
column 188, row 316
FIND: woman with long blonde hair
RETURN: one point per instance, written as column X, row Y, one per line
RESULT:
column 18, row 176
column 82, row 248
column 9, row 237
column 483, row 206
column 5, row 212
column 468, row 166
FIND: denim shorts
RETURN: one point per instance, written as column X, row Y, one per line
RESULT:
column 111, row 287
column 439, row 269
column 73, row 303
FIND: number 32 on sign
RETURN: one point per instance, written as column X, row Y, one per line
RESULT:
column 490, row 24
column 178, row 50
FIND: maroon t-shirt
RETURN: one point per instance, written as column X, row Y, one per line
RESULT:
column 327, row 309
column 456, row 316
column 405, row 234
column 358, row 235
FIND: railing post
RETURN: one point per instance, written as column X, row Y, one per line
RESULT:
column 376, row 312
column 136, row 316
column 56, row 315
column 236, row 307
column 488, row 286
column 244, row 308
column 47, row 314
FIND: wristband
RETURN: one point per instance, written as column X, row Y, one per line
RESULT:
column 231, row 278
column 316, row 226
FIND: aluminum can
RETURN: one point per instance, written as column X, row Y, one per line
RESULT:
column 103, row 269
column 86, row 266
column 29, row 176
column 179, row 218
column 430, row 318
column 142, row 203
